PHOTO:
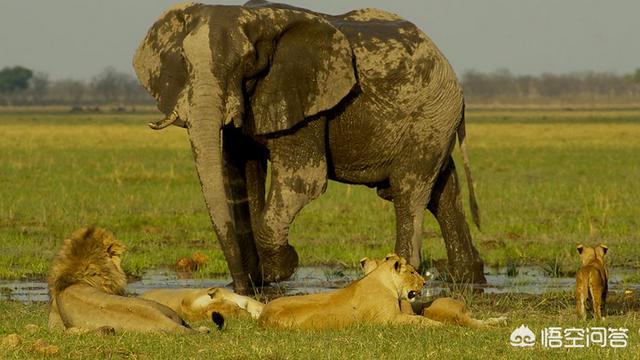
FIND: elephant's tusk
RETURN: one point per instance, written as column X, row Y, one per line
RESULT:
column 166, row 121
column 179, row 122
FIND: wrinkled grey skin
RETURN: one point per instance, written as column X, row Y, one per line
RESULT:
column 361, row 98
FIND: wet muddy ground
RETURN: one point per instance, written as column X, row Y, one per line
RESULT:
column 526, row 280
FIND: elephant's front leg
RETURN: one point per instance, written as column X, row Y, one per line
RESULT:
column 298, row 175
column 241, row 178
column 465, row 264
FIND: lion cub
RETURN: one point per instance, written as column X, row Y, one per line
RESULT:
column 591, row 280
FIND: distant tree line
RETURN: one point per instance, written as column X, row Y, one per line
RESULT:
column 503, row 86
column 22, row 86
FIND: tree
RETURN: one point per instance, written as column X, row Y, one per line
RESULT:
column 14, row 80
column 113, row 86
column 635, row 77
column 68, row 91
column 39, row 85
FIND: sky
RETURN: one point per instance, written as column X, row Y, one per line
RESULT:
column 79, row 38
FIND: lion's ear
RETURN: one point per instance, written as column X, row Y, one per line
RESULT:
column 212, row 292
column 363, row 261
column 604, row 248
column 580, row 248
column 114, row 250
column 391, row 255
column 396, row 265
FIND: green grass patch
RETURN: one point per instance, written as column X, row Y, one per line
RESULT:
column 244, row 339
column 545, row 182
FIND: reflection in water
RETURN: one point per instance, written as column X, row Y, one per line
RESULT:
column 529, row 280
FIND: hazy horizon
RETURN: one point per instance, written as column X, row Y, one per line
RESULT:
column 78, row 39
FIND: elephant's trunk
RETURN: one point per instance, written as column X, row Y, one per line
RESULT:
column 204, row 126
column 202, row 99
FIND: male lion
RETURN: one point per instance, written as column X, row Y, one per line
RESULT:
column 87, row 287
column 445, row 310
column 592, row 280
column 199, row 304
column 372, row 299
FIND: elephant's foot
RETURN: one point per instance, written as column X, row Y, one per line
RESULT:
column 468, row 271
column 252, row 267
column 242, row 284
column 246, row 282
column 278, row 263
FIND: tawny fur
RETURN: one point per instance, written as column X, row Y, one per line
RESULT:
column 445, row 310
column 87, row 284
column 372, row 299
column 451, row 311
column 90, row 256
column 199, row 304
column 592, row 281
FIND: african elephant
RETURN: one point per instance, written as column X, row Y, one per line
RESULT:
column 360, row 98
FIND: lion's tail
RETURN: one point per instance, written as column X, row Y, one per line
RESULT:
column 473, row 203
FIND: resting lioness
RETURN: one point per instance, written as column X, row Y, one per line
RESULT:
column 372, row 299
column 199, row 304
column 445, row 310
column 87, row 287
column 592, row 280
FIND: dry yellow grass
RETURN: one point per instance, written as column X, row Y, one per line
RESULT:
column 557, row 136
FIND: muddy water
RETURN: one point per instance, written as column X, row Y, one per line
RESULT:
column 529, row 280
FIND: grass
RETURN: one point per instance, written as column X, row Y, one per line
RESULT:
column 545, row 181
column 243, row 339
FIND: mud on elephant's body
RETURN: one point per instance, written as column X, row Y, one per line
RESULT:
column 361, row 98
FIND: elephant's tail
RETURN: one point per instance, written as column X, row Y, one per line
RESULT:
column 475, row 211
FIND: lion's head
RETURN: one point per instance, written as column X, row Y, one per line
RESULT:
column 589, row 254
column 91, row 256
column 408, row 281
column 405, row 278
column 368, row 265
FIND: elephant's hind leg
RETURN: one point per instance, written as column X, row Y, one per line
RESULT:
column 465, row 264
column 298, row 175
column 410, row 189
column 409, row 218
column 411, row 182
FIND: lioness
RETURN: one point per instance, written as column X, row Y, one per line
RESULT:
column 199, row 304
column 373, row 299
column 445, row 310
column 592, row 280
column 87, row 287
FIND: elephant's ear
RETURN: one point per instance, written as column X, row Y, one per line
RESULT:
column 159, row 61
column 311, row 71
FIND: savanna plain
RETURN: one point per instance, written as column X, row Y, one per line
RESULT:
column 546, row 180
